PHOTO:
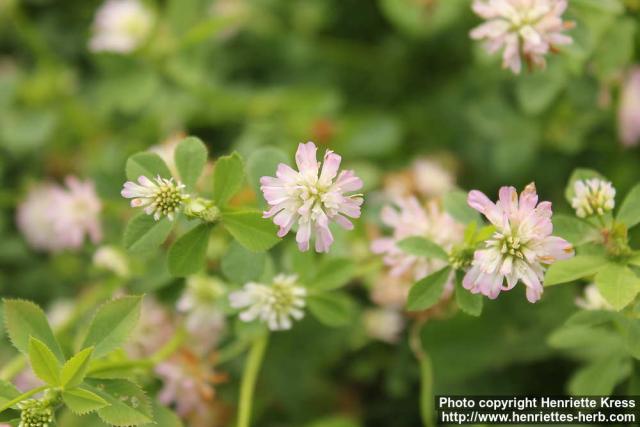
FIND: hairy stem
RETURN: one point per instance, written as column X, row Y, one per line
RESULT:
column 249, row 377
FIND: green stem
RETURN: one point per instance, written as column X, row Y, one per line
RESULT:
column 249, row 377
column 426, row 374
column 22, row 397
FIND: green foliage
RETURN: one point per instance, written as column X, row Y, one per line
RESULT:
column 617, row 284
column 574, row 230
column 143, row 233
column 128, row 405
column 75, row 369
column 190, row 157
column 573, row 269
column 419, row 246
column 427, row 292
column 455, row 203
column 112, row 324
column 146, row 164
column 44, row 362
column 250, row 229
column 187, row 254
column 82, row 401
column 228, row 177
column 333, row 273
column 24, row 320
column 8, row 392
column 629, row 212
column 466, row 301
column 264, row 162
column 333, row 309
column 240, row 265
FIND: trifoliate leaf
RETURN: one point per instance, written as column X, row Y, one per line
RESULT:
column 144, row 233
column 82, row 401
column 75, row 369
column 128, row 404
column 573, row 269
column 250, row 229
column 334, row 309
column 44, row 362
column 228, row 177
column 188, row 254
column 24, row 319
column 190, row 157
column 112, row 324
column 428, row 291
column 618, row 285
column 146, row 164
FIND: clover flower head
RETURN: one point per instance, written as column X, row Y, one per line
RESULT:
column 35, row 413
column 161, row 197
column 407, row 218
column 120, row 26
column 520, row 247
column 274, row 305
column 527, row 28
column 629, row 110
column 592, row 299
column 593, row 197
column 312, row 197
column 188, row 382
column 54, row 217
column 432, row 178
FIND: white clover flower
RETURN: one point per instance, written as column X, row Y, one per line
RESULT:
column 593, row 299
column 160, row 198
column 312, row 197
column 120, row 26
column 527, row 28
column 385, row 324
column 521, row 246
column 593, row 196
column 274, row 305
column 111, row 259
column 54, row 218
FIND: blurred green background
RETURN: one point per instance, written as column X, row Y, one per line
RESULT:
column 379, row 81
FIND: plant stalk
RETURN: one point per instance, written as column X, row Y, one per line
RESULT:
column 249, row 378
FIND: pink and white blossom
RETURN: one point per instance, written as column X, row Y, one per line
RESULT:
column 629, row 110
column 593, row 196
column 384, row 324
column 120, row 26
column 276, row 305
column 408, row 218
column 55, row 218
column 161, row 197
column 523, row 29
column 521, row 246
column 312, row 197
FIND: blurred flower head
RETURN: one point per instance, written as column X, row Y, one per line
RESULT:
column 528, row 29
column 54, row 218
column 407, row 218
column 120, row 26
column 629, row 110
column 384, row 324
column 200, row 303
column 391, row 291
column 593, row 196
column 187, row 382
column 592, row 299
column 312, row 197
column 111, row 259
column 161, row 197
column 520, row 246
column 276, row 305
column 432, row 179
